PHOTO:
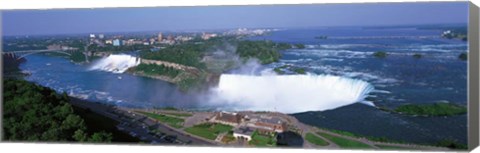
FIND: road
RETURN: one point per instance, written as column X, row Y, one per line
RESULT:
column 184, row 137
column 139, row 126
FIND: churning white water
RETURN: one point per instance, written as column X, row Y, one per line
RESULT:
column 289, row 93
column 116, row 63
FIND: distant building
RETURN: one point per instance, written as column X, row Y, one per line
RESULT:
column 206, row 36
column 68, row 48
column 152, row 41
column 117, row 42
column 101, row 36
column 54, row 47
column 92, row 36
column 183, row 38
column 98, row 42
column 227, row 118
column 109, row 41
column 160, row 37
column 170, row 38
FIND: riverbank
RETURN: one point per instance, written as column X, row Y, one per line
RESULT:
column 183, row 122
column 137, row 126
column 98, row 122
column 347, row 120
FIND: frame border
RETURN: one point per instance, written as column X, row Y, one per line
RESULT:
column 473, row 77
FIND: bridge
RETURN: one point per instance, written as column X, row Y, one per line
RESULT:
column 24, row 53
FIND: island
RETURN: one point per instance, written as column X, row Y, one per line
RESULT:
column 417, row 55
column 290, row 69
column 463, row 56
column 456, row 33
column 380, row 54
column 435, row 109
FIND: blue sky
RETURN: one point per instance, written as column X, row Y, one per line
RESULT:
column 65, row 21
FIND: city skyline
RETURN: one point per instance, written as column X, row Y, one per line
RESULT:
column 109, row 20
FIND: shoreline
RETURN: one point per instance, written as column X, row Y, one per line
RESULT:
column 127, row 119
column 109, row 110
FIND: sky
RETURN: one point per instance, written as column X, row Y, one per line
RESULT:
column 71, row 21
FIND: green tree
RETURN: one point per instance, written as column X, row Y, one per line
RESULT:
column 35, row 113
column 80, row 135
column 101, row 137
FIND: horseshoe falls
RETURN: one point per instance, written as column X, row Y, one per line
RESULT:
column 288, row 93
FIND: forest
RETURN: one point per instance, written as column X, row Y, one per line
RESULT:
column 35, row 113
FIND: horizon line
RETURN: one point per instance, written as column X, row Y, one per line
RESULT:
column 214, row 29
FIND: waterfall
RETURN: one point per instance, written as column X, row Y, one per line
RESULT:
column 288, row 93
column 116, row 63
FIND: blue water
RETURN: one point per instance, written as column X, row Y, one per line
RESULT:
column 398, row 79
column 121, row 89
column 438, row 76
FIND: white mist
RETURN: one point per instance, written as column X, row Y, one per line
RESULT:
column 288, row 93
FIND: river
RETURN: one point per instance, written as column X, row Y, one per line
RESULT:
column 397, row 79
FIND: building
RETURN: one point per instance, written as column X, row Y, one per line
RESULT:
column 232, row 119
column 247, row 123
column 117, row 42
column 101, row 36
column 267, row 124
column 160, row 37
column 206, row 36
column 152, row 41
column 109, row 41
column 92, row 36
column 68, row 48
column 54, row 47
column 170, row 38
column 243, row 132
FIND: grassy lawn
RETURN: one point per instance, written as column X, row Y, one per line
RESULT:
column 371, row 138
column 228, row 138
column 172, row 121
column 262, row 140
column 178, row 114
column 316, row 140
column 393, row 147
column 344, row 143
column 208, row 130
